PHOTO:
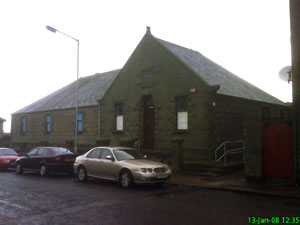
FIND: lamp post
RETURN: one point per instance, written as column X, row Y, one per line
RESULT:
column 76, row 108
column 295, row 47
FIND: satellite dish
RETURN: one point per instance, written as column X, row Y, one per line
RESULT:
column 285, row 74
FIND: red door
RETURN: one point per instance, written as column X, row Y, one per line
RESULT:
column 149, row 118
column 278, row 151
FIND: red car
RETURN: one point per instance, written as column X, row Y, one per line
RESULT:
column 8, row 158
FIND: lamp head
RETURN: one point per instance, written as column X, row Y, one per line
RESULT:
column 51, row 29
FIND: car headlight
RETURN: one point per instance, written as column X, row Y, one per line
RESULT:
column 146, row 170
column 169, row 169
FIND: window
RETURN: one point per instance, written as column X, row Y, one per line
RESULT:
column 282, row 114
column 33, row 152
column 95, row 154
column 48, row 123
column 23, row 127
column 79, row 122
column 119, row 116
column 182, row 113
column 105, row 152
column 42, row 151
column 265, row 113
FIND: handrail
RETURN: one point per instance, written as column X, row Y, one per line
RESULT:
column 227, row 151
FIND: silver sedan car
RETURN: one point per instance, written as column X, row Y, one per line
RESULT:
column 125, row 165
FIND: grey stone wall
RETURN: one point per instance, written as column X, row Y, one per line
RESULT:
column 62, row 129
column 240, row 119
column 170, row 80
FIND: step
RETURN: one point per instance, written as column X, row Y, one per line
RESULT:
column 202, row 173
column 211, row 168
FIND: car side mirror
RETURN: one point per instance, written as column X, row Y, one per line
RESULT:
column 109, row 157
column 27, row 155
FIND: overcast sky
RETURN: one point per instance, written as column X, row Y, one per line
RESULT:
column 250, row 38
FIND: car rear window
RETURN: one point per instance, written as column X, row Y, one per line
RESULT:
column 59, row 150
column 7, row 151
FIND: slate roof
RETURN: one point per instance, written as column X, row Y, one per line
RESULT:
column 90, row 89
column 93, row 88
column 213, row 74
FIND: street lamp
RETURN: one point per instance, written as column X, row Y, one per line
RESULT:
column 76, row 110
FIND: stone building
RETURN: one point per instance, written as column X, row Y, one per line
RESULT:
column 4, row 137
column 164, row 92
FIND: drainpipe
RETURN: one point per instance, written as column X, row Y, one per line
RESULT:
column 99, row 121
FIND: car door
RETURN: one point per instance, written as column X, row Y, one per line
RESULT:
column 108, row 167
column 41, row 156
column 92, row 162
column 36, row 159
column 29, row 161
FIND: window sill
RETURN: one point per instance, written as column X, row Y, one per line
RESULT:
column 182, row 131
column 118, row 132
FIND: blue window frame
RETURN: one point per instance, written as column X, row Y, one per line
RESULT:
column 79, row 122
column 23, row 127
column 48, row 123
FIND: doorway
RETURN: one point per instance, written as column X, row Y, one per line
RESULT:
column 278, row 150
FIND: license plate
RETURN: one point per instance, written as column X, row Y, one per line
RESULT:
column 69, row 160
column 161, row 175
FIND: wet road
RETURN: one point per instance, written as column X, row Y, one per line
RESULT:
column 61, row 199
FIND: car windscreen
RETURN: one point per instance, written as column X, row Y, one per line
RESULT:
column 127, row 154
column 7, row 151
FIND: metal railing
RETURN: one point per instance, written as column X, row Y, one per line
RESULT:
column 137, row 145
column 228, row 148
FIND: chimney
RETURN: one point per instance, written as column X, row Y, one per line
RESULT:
column 148, row 30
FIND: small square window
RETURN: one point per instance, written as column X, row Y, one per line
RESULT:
column 79, row 122
column 23, row 126
column 182, row 113
column 48, row 123
column 119, row 116
column 182, row 123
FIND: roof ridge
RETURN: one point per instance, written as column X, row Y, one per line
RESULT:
column 177, row 45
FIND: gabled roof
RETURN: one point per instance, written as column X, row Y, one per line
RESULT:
column 93, row 88
column 213, row 74
column 2, row 120
column 90, row 89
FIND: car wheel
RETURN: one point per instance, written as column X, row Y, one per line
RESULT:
column 81, row 174
column 126, row 179
column 19, row 169
column 43, row 170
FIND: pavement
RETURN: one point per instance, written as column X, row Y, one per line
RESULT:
column 236, row 182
